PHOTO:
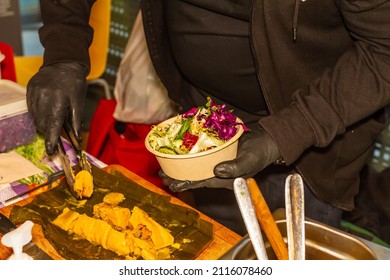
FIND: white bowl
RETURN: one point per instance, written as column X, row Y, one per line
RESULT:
column 199, row 166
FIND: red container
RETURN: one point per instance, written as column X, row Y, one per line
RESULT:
column 7, row 65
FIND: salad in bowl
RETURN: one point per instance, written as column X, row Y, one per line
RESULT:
column 189, row 145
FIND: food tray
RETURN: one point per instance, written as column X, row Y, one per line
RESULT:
column 189, row 230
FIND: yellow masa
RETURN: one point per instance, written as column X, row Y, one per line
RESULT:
column 83, row 185
column 130, row 234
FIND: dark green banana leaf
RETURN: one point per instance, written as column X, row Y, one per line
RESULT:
column 191, row 232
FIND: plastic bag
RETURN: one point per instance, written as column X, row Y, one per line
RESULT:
column 140, row 95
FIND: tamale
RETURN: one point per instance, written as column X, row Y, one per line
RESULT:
column 116, row 242
column 160, row 236
column 118, row 217
column 96, row 231
column 67, row 219
column 83, row 184
column 145, row 239
column 113, row 198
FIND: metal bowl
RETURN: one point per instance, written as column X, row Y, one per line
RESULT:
column 322, row 243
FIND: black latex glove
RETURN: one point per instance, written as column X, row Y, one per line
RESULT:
column 54, row 95
column 256, row 150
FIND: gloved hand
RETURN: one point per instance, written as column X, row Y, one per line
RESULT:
column 55, row 95
column 256, row 150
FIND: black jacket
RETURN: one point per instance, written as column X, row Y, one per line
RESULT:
column 323, row 66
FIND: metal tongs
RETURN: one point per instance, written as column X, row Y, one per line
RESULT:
column 248, row 213
column 295, row 217
column 50, row 180
column 82, row 163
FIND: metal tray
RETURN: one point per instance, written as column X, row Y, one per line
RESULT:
column 322, row 243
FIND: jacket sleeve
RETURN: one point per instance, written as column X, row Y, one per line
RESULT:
column 66, row 34
column 354, row 89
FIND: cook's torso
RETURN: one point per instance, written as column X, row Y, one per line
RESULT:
column 210, row 44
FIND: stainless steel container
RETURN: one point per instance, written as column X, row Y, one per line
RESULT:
column 322, row 242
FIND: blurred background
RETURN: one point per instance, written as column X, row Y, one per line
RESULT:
column 19, row 23
column 30, row 22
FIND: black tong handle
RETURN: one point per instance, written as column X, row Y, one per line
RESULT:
column 50, row 180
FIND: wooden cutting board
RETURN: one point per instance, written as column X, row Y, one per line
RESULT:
column 224, row 239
